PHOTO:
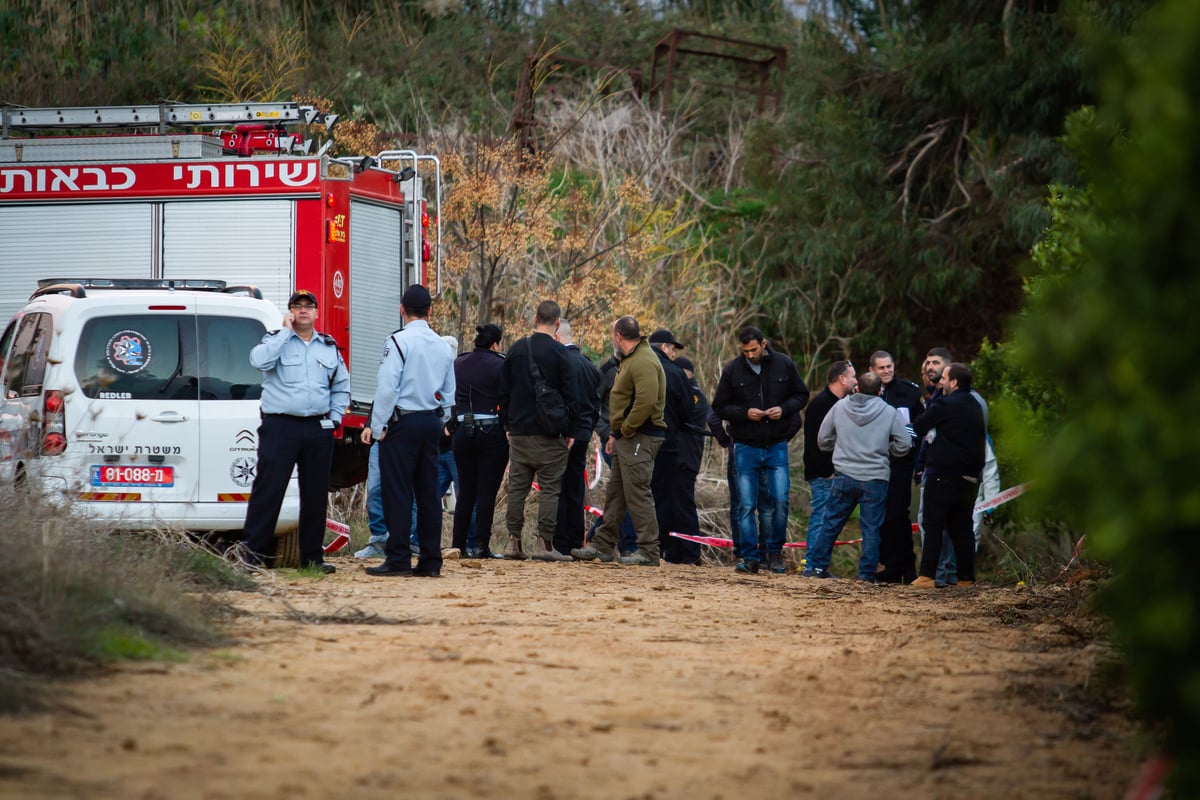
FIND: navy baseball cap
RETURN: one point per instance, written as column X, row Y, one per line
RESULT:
column 416, row 298
column 302, row 294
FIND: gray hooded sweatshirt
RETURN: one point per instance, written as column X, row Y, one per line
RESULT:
column 863, row 431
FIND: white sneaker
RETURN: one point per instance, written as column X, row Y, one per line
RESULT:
column 372, row 550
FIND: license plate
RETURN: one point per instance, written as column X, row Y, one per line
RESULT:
column 106, row 475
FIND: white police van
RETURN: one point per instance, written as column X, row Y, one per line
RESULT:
column 135, row 400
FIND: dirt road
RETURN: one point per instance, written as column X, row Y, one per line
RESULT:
column 519, row 680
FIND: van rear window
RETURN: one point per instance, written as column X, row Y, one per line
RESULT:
column 168, row 357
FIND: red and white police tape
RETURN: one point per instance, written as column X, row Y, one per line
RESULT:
column 987, row 505
column 342, row 537
column 594, row 479
column 717, row 541
column 1001, row 499
column 998, row 500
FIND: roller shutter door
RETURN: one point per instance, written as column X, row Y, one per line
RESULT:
column 71, row 241
column 376, row 283
column 237, row 241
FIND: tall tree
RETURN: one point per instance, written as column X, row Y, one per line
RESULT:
column 906, row 179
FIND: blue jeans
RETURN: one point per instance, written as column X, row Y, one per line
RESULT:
column 846, row 493
column 766, row 512
column 947, row 569
column 820, row 488
column 753, row 464
column 375, row 520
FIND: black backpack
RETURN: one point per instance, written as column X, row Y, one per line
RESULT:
column 551, row 409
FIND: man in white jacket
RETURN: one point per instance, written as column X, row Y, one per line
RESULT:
column 864, row 433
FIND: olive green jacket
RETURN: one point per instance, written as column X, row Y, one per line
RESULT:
column 639, row 394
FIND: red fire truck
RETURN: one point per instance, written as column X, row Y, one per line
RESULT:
column 227, row 192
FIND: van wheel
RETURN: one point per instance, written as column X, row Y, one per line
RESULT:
column 287, row 550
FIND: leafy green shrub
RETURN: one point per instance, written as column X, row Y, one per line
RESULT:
column 1117, row 333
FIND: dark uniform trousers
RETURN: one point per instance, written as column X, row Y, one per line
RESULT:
column 674, row 507
column 895, row 537
column 408, row 464
column 285, row 442
column 481, row 454
column 568, row 533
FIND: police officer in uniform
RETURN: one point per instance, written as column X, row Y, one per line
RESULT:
column 413, row 396
column 895, row 538
column 480, row 446
column 305, row 391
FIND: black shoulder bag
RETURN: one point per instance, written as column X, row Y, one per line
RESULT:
column 551, row 409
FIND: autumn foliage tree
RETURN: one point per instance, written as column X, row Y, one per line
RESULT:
column 522, row 226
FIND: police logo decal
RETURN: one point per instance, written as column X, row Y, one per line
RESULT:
column 128, row 352
column 242, row 471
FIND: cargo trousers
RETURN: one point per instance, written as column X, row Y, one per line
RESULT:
column 530, row 458
column 629, row 490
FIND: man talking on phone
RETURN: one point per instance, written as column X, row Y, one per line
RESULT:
column 305, row 391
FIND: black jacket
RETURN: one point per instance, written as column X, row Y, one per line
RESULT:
column 608, row 374
column 740, row 389
column 818, row 463
column 517, row 410
column 935, row 394
column 587, row 378
column 905, row 394
column 691, row 438
column 716, row 426
column 477, row 380
column 678, row 409
column 960, row 445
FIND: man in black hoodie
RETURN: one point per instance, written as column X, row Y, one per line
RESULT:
column 758, row 394
column 953, row 465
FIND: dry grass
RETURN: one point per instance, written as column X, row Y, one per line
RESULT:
column 77, row 596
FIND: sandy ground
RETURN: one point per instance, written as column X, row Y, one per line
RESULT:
column 532, row 680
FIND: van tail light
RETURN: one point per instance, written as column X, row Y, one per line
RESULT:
column 54, row 424
column 426, row 253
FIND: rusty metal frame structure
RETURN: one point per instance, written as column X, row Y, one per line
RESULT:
column 524, row 117
column 761, row 58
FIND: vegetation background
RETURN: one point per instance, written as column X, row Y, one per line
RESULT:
column 889, row 200
column 933, row 170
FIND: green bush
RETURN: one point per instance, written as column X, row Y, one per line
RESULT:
column 1115, row 333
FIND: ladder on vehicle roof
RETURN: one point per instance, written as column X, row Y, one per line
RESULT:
column 162, row 116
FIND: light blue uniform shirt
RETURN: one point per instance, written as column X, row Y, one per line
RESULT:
column 419, row 376
column 305, row 380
